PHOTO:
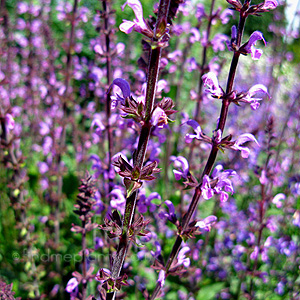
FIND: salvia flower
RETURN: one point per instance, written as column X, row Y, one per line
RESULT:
column 270, row 4
column 171, row 216
column 125, row 88
column 277, row 200
column 10, row 122
column 161, row 278
column 198, row 132
column 249, row 97
column 72, row 285
column 249, row 46
column 159, row 118
column 219, row 184
column 182, row 164
column 246, row 137
column 210, row 81
column 182, row 259
column 206, row 223
column 139, row 23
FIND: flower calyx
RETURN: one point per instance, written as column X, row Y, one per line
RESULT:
column 109, row 283
column 133, row 175
column 137, row 228
column 133, row 109
column 112, row 225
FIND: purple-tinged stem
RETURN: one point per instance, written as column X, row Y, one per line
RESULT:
column 152, row 78
column 107, row 32
column 212, row 156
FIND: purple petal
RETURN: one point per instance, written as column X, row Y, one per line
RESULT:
column 127, row 26
column 71, row 285
column 255, row 36
column 10, row 122
column 211, row 81
column 270, row 4
column 246, row 137
column 177, row 174
column 123, row 85
column 258, row 88
column 161, row 278
column 170, row 206
column 189, row 137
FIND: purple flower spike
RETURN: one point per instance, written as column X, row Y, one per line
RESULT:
column 72, row 285
column 138, row 24
column 211, row 81
column 189, row 137
column 249, row 46
column 246, row 137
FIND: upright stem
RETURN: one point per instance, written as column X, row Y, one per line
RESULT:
column 106, row 10
column 84, row 266
column 212, row 156
column 152, row 78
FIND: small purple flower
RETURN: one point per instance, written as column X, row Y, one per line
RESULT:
column 246, row 137
column 145, row 202
column 269, row 4
column 159, row 118
column 218, row 42
column 224, row 17
column 138, row 24
column 254, row 102
column 125, row 88
column 183, row 165
column 280, row 288
column 98, row 242
column 195, row 35
column 10, row 122
column 158, row 250
column 223, row 184
column 97, row 122
column 254, row 254
column 161, row 278
column 182, row 259
column 198, row 132
column 207, row 191
column 296, row 218
column 206, row 223
column 277, row 200
column 249, row 46
column 72, row 285
column 43, row 167
column 118, row 200
column 171, row 216
column 210, row 80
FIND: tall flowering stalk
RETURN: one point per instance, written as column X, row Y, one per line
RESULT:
column 227, row 97
column 148, row 116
